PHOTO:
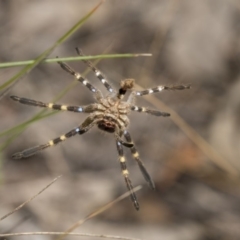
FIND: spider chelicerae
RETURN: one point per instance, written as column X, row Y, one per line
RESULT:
column 109, row 113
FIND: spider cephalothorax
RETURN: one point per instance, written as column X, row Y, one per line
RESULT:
column 109, row 113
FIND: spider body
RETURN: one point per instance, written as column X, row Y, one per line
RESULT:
column 110, row 114
column 114, row 115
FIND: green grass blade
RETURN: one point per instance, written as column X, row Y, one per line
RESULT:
column 15, row 79
column 11, row 82
column 40, row 115
column 70, row 59
column 18, row 129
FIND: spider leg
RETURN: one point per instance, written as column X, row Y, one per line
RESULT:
column 125, row 174
column 135, row 156
column 118, row 138
column 86, row 109
column 149, row 111
column 81, row 79
column 118, row 134
column 125, row 144
column 84, row 127
column 161, row 88
column 98, row 74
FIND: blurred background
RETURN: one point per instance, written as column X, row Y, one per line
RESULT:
column 193, row 156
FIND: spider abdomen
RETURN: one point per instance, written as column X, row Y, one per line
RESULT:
column 107, row 125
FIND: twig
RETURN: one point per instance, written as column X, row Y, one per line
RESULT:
column 95, row 213
column 30, row 199
column 63, row 233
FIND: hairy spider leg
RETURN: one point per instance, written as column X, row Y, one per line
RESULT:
column 118, row 135
column 84, row 127
column 136, row 157
column 85, row 109
column 161, row 88
column 125, row 174
column 149, row 111
column 81, row 79
column 98, row 73
column 125, row 144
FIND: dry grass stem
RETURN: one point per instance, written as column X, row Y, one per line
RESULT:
column 203, row 145
column 95, row 213
column 63, row 233
column 30, row 199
